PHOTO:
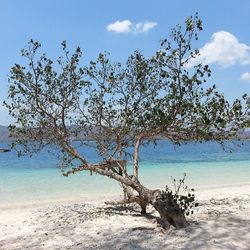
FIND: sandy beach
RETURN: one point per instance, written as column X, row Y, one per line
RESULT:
column 221, row 221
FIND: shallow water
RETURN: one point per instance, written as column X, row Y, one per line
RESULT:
column 206, row 164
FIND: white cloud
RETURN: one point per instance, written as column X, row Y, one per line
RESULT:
column 246, row 76
column 144, row 27
column 127, row 26
column 223, row 49
column 120, row 26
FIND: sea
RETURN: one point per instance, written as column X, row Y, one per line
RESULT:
column 205, row 164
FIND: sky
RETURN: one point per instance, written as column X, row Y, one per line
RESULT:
column 120, row 27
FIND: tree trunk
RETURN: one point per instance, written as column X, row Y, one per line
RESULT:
column 163, row 202
column 136, row 156
column 170, row 212
column 143, row 206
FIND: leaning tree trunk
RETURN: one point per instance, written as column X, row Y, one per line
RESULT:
column 170, row 212
column 164, row 203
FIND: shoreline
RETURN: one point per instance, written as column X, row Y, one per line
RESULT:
column 221, row 221
column 201, row 192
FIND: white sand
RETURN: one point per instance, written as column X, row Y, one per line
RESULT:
column 220, row 222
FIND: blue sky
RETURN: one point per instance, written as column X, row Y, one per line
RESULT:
column 120, row 27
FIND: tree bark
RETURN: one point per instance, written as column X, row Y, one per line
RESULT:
column 164, row 204
column 143, row 206
column 170, row 212
column 136, row 156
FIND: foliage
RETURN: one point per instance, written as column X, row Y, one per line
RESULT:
column 54, row 103
column 183, row 196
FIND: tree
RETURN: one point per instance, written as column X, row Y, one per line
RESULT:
column 120, row 107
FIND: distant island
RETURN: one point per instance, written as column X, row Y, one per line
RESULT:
column 4, row 134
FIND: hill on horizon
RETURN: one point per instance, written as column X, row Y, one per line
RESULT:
column 4, row 134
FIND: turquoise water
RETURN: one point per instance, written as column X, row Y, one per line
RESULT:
column 38, row 178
